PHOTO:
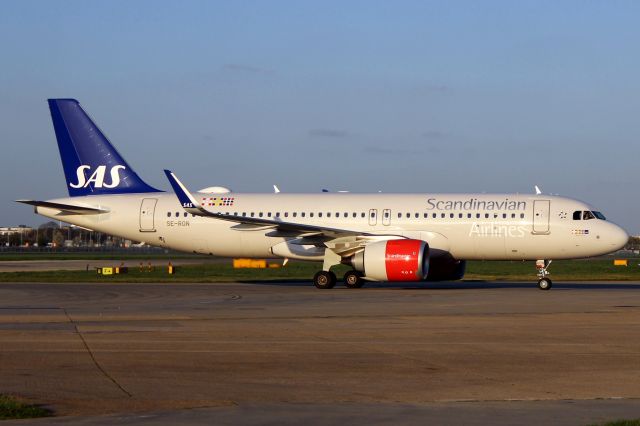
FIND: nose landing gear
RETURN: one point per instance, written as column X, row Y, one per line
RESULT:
column 544, row 283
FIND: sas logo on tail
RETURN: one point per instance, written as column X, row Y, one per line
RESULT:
column 97, row 177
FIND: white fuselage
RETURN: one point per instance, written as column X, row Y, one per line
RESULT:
column 468, row 226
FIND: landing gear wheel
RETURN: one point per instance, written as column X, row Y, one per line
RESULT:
column 544, row 284
column 353, row 279
column 324, row 279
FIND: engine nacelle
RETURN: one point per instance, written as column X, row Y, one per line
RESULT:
column 393, row 260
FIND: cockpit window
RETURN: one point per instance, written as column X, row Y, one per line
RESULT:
column 586, row 215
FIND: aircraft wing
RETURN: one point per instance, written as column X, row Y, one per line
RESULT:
column 64, row 208
column 281, row 228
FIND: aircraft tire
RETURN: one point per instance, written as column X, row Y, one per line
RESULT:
column 353, row 279
column 545, row 284
column 324, row 279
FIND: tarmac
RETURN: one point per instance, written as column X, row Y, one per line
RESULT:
column 286, row 353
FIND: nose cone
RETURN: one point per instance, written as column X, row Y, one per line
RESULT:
column 617, row 237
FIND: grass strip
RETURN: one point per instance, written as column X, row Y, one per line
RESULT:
column 567, row 270
column 13, row 408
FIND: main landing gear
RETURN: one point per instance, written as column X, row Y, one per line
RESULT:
column 353, row 279
column 327, row 279
column 324, row 279
column 544, row 283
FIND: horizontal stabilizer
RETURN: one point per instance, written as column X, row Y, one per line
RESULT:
column 67, row 208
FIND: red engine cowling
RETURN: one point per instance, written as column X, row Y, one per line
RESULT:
column 394, row 260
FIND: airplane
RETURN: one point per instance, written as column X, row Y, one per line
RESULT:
column 381, row 236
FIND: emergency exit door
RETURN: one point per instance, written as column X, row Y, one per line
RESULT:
column 147, row 211
column 386, row 217
column 373, row 217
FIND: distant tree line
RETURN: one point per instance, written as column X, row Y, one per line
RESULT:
column 633, row 244
column 52, row 234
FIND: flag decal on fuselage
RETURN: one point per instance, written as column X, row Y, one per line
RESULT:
column 217, row 201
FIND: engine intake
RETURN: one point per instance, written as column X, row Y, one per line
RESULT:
column 393, row 260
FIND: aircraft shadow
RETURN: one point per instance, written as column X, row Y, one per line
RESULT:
column 459, row 285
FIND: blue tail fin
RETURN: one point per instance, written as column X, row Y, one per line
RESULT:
column 92, row 166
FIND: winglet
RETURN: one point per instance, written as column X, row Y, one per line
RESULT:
column 538, row 192
column 187, row 200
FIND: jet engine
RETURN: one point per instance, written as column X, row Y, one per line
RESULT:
column 393, row 260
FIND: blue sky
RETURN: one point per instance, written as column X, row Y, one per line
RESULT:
column 362, row 95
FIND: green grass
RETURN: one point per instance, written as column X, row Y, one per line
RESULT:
column 13, row 408
column 568, row 270
column 561, row 270
column 53, row 255
column 203, row 273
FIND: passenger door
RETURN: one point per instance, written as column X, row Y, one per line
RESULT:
column 541, row 212
column 147, row 211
